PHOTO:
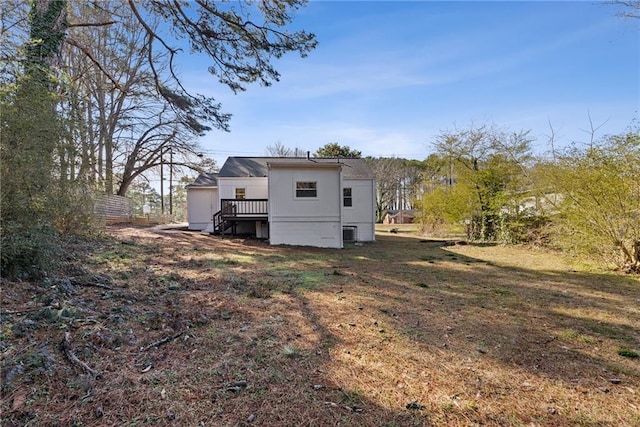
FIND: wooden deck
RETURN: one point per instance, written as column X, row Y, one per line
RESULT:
column 233, row 211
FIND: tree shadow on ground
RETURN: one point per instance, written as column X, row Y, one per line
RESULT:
column 307, row 336
column 178, row 341
column 558, row 329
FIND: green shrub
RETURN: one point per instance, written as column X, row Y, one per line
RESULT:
column 27, row 249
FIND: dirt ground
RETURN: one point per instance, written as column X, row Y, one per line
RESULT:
column 170, row 327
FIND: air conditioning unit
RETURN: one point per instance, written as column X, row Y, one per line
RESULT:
column 349, row 234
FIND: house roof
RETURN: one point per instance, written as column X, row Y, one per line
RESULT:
column 205, row 180
column 236, row 167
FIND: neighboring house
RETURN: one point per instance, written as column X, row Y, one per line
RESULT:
column 399, row 217
column 202, row 200
column 536, row 205
column 296, row 201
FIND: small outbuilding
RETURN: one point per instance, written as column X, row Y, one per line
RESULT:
column 405, row 216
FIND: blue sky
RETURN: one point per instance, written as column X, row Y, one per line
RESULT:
column 387, row 77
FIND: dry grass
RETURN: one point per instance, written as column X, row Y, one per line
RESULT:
column 400, row 332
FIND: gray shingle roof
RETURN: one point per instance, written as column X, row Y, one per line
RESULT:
column 205, row 180
column 258, row 166
column 236, row 167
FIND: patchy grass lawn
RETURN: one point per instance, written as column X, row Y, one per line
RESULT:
column 179, row 328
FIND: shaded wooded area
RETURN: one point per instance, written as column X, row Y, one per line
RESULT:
column 91, row 100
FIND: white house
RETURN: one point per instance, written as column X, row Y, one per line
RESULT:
column 293, row 201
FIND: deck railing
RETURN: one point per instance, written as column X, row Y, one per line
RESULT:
column 234, row 210
column 237, row 208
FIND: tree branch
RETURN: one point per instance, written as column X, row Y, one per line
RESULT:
column 162, row 341
column 89, row 55
column 66, row 348
column 93, row 24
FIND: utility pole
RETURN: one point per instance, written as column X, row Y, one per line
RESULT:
column 161, row 181
column 401, row 200
column 171, row 181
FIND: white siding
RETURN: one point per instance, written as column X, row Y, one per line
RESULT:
column 202, row 203
column 362, row 212
column 305, row 221
column 257, row 187
column 322, row 234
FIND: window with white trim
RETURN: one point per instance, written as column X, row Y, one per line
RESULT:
column 241, row 193
column 306, row 189
column 347, row 198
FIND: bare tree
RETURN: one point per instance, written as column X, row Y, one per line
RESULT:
column 628, row 8
column 126, row 126
column 14, row 33
column 388, row 172
column 278, row 149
